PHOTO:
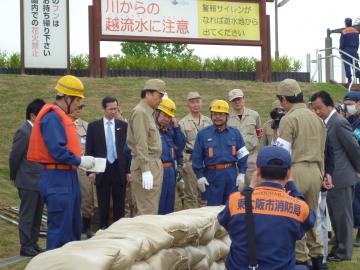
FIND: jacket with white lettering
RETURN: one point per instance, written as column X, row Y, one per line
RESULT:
column 279, row 219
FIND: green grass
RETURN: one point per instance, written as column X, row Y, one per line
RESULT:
column 16, row 91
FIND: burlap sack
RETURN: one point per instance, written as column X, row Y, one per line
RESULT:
column 208, row 213
column 221, row 265
column 194, row 255
column 129, row 253
column 216, row 250
column 84, row 255
column 204, row 264
column 140, row 266
column 220, row 231
column 169, row 259
column 217, row 266
column 226, row 239
column 182, row 232
column 151, row 237
column 204, row 228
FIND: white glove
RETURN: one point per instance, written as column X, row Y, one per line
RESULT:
column 87, row 162
column 240, row 181
column 147, row 180
column 202, row 183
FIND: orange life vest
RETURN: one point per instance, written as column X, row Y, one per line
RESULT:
column 38, row 151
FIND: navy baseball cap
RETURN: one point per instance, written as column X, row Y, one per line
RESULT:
column 352, row 95
column 273, row 157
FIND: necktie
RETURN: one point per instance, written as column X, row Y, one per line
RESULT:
column 110, row 143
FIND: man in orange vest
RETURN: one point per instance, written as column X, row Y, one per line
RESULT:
column 54, row 143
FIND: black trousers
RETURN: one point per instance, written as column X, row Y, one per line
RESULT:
column 31, row 207
column 111, row 182
column 341, row 215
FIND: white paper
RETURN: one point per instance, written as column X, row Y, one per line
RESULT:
column 100, row 165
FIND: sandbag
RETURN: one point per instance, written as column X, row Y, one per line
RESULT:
column 203, row 226
column 140, row 266
column 194, row 255
column 220, row 231
column 215, row 250
column 169, row 259
column 204, row 264
column 151, row 238
column 221, row 265
column 146, row 243
column 182, row 232
column 226, row 239
column 217, row 266
column 130, row 252
column 213, row 228
column 84, row 255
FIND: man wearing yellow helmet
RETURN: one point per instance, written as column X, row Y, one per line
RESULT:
column 173, row 143
column 54, row 143
column 217, row 149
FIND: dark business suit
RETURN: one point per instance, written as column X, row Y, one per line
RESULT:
column 113, row 180
column 26, row 175
column 346, row 152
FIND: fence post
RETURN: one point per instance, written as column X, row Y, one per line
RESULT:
column 103, row 67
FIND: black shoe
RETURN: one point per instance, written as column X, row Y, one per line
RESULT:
column 28, row 252
column 317, row 263
column 308, row 264
column 38, row 248
column 334, row 258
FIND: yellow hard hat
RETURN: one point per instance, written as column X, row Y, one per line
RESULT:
column 167, row 106
column 70, row 86
column 220, row 106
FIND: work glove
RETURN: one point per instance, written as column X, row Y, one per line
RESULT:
column 240, row 181
column 202, row 183
column 180, row 186
column 179, row 172
column 87, row 162
column 147, row 180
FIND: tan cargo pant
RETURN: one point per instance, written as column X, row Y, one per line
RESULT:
column 147, row 201
column 251, row 163
column 192, row 196
column 130, row 206
column 308, row 178
column 87, row 194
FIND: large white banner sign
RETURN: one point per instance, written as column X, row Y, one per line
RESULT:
column 45, row 33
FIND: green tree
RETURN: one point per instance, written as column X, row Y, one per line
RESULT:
column 155, row 49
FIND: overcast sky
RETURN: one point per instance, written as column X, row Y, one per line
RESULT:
column 302, row 28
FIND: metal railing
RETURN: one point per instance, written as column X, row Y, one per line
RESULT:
column 320, row 57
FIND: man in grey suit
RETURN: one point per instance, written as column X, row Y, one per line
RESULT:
column 346, row 152
column 25, row 175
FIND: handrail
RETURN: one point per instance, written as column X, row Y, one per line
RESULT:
column 319, row 58
column 339, row 50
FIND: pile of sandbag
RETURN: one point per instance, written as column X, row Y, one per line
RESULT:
column 188, row 239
